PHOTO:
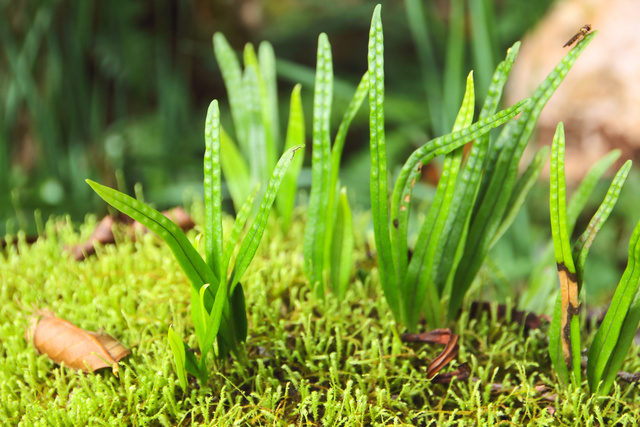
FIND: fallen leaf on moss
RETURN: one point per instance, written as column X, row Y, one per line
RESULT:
column 436, row 336
column 444, row 337
column 63, row 342
column 448, row 354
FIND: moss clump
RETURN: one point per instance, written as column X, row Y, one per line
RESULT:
column 306, row 361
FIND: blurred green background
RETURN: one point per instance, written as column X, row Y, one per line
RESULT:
column 116, row 91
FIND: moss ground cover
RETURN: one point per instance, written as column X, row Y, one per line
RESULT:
column 306, row 362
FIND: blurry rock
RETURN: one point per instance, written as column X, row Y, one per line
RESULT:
column 599, row 100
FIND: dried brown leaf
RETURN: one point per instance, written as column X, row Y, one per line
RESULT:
column 436, row 336
column 63, row 342
column 448, row 354
column 450, row 341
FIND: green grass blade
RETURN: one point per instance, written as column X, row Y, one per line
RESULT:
column 570, row 334
column 418, row 287
column 576, row 205
column 498, row 182
column 256, row 146
column 314, row 233
column 627, row 334
column 585, row 189
column 454, row 56
column 342, row 247
column 467, row 187
column 410, row 172
column 431, row 74
column 232, row 76
column 212, row 325
column 480, row 14
column 269, row 100
column 251, row 241
column 199, row 316
column 558, row 204
column 286, row 199
column 213, row 193
column 336, row 155
column 555, row 343
column 235, row 169
column 609, row 335
column 238, row 226
column 179, row 356
column 239, row 313
column 194, row 267
column 582, row 246
column 378, row 179
column 521, row 191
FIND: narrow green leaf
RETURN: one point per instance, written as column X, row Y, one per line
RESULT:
column 259, row 91
column 190, row 261
column 537, row 279
column 454, row 55
column 238, row 226
column 555, row 343
column 314, row 234
column 456, row 229
column 612, row 342
column 269, row 96
column 582, row 246
column 213, row 323
column 500, row 177
column 191, row 364
column 418, row 287
column 585, row 189
column 177, row 348
column 199, row 315
column 480, row 15
column 410, row 173
column 569, row 292
column 378, row 179
column 521, row 191
column 336, row 155
column 342, row 247
column 627, row 334
column 251, row 241
column 558, row 204
column 235, row 169
column 232, row 76
column 256, row 146
column 285, row 201
column 213, row 193
column 431, row 74
column 239, row 313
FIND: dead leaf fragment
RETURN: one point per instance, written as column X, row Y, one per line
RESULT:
column 436, row 336
column 62, row 341
column 450, row 341
column 448, row 354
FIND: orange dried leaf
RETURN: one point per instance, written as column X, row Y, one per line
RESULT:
column 62, row 341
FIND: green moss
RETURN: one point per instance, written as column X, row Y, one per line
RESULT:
column 306, row 361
